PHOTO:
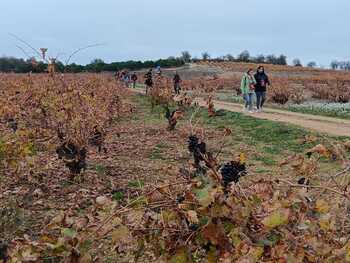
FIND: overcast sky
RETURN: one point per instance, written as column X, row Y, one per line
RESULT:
column 147, row 29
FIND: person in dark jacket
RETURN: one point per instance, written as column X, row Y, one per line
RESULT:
column 177, row 81
column 134, row 79
column 148, row 80
column 262, row 81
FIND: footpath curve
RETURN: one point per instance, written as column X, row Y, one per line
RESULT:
column 329, row 125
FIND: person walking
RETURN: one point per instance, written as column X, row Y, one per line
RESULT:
column 126, row 79
column 177, row 81
column 148, row 81
column 122, row 76
column 248, row 87
column 117, row 75
column 158, row 71
column 134, row 79
column 262, row 81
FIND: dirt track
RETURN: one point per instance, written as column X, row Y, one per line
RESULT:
column 331, row 126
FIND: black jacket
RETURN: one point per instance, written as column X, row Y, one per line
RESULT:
column 177, row 79
column 148, row 79
column 262, row 80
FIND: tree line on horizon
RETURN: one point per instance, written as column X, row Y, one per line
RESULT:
column 242, row 57
column 245, row 57
column 19, row 65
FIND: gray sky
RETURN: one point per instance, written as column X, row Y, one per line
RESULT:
column 147, row 29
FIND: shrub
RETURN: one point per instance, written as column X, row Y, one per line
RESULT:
column 330, row 90
column 298, row 95
column 280, row 92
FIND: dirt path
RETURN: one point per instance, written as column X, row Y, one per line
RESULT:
column 332, row 126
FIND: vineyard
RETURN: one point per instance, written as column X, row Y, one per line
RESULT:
column 92, row 172
column 291, row 87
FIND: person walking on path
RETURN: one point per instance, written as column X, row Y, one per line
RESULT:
column 177, row 81
column 122, row 76
column 262, row 81
column 248, row 87
column 158, row 71
column 117, row 75
column 134, row 79
column 148, row 81
column 126, row 79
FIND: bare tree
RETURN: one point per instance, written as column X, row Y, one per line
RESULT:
column 186, row 56
column 334, row 64
column 271, row 59
column 260, row 59
column 244, row 56
column 312, row 64
column 229, row 57
column 281, row 60
column 205, row 56
column 297, row 62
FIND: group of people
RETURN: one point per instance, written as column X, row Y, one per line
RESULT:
column 126, row 78
column 254, row 84
column 149, row 81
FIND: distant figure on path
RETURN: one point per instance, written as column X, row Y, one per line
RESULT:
column 158, row 71
column 247, row 87
column 118, row 75
column 122, row 76
column 126, row 79
column 262, row 81
column 148, row 80
column 177, row 81
column 134, row 79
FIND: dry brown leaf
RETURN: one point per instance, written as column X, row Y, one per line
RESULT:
column 322, row 206
column 320, row 149
column 192, row 217
column 102, row 201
